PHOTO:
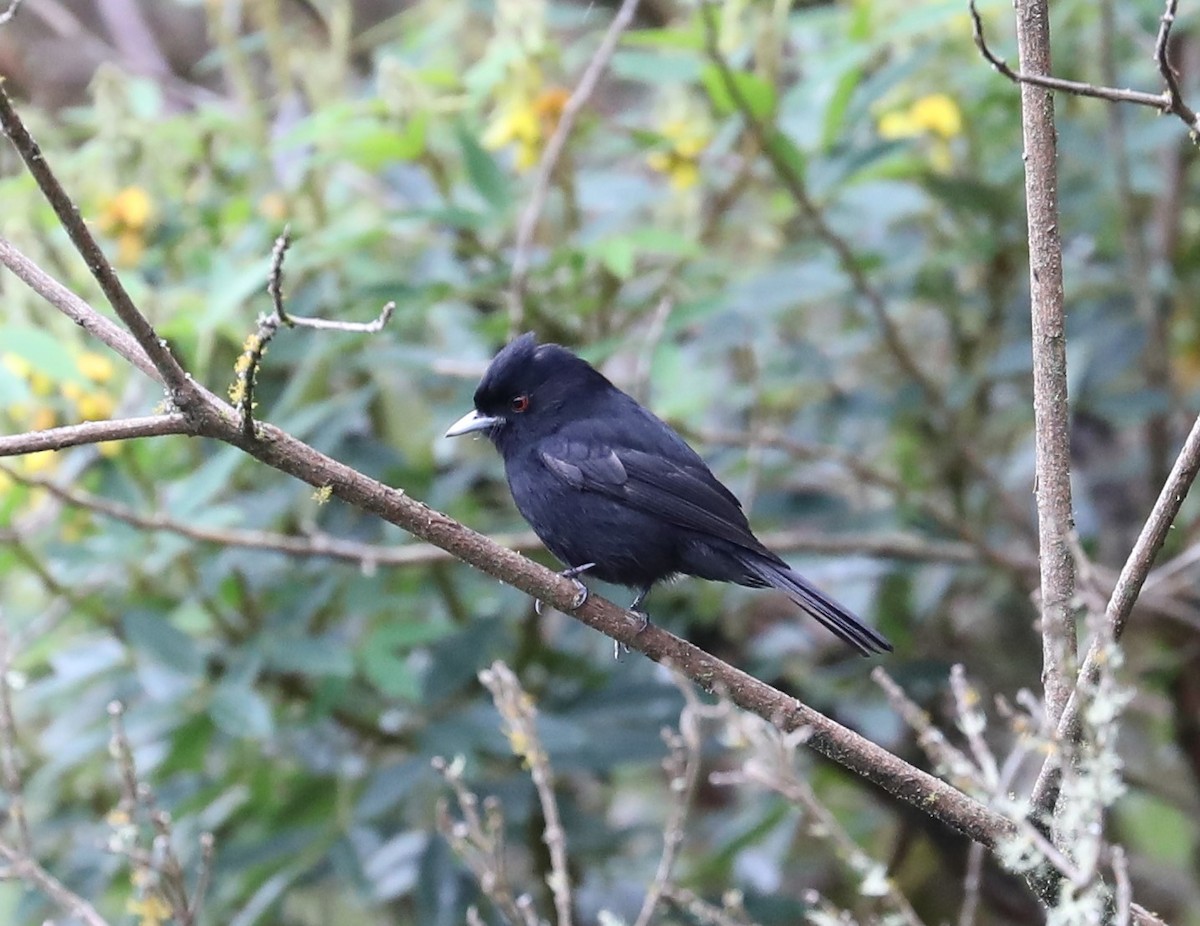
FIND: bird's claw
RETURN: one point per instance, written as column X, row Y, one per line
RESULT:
column 643, row 621
column 641, row 617
column 581, row 590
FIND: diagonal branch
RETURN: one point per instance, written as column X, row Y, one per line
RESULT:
column 75, row 308
column 93, row 432
column 183, row 390
column 1120, row 604
column 285, row 453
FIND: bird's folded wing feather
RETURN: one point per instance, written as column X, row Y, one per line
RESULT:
column 684, row 493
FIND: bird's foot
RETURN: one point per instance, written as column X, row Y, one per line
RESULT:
column 637, row 612
column 581, row 590
column 640, row 617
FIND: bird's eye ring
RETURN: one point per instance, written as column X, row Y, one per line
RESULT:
column 519, row 404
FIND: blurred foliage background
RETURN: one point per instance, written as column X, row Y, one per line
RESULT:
column 836, row 314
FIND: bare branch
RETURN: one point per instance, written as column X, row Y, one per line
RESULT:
column 256, row 343
column 527, row 226
column 94, row 432
column 183, row 390
column 8, row 14
column 214, row 419
column 76, row 309
column 1169, row 101
column 519, row 713
column 31, row 872
column 1050, row 408
column 1129, row 585
column 10, row 758
column 683, row 769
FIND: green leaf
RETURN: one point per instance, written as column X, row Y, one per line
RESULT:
column 786, row 151
column 656, row 68
column 240, row 711
column 617, row 255
column 154, row 635
column 13, row 388
column 758, row 94
column 384, row 656
column 308, row 656
column 372, row 144
column 689, row 37
column 45, row 352
column 483, row 171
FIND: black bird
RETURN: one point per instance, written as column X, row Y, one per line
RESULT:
column 613, row 491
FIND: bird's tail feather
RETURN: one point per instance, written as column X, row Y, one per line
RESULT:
column 835, row 617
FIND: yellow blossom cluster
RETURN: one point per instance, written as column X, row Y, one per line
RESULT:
column 85, row 402
column 128, row 216
column 935, row 117
column 526, row 116
column 679, row 158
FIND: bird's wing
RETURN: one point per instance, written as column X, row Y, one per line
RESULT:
column 681, row 492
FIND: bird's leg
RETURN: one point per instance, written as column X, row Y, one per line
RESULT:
column 636, row 609
column 581, row 594
column 643, row 621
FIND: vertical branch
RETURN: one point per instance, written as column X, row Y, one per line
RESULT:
column 1050, row 410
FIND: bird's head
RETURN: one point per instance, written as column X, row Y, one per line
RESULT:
column 529, row 389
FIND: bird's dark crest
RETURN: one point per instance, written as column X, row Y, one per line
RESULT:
column 523, row 365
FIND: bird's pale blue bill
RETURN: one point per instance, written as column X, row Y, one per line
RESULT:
column 471, row 421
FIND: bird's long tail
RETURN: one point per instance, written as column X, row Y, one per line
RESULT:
column 835, row 617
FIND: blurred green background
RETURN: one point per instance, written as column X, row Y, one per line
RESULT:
column 292, row 705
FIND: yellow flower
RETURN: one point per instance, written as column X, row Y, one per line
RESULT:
column 936, row 114
column 131, row 208
column 939, row 114
column 95, row 406
column 273, row 206
column 935, row 117
column 42, row 419
column 16, row 365
column 526, row 120
column 128, row 216
column 680, row 160
column 150, row 910
column 96, row 367
column 39, row 462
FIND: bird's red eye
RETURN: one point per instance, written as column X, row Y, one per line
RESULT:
column 519, row 404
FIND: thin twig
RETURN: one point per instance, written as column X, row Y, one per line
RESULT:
column 10, row 12
column 75, row 308
column 10, row 756
column 255, row 346
column 369, row 556
column 1123, row 895
column 781, row 777
column 1169, row 101
column 182, row 389
column 32, row 873
column 94, row 432
column 972, row 885
column 1125, row 594
column 527, row 226
column 683, row 766
column 774, row 146
column 972, row 722
column 951, row 760
column 519, row 713
column 702, row 911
